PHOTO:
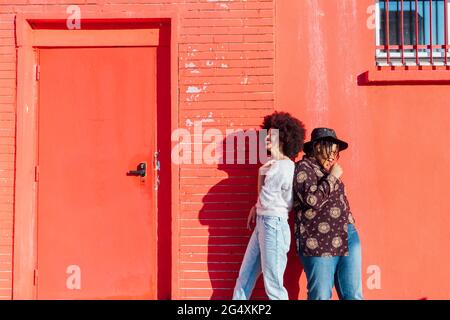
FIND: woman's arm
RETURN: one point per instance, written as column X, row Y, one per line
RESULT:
column 261, row 177
column 260, row 182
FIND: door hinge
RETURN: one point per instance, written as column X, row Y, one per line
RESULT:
column 38, row 72
column 36, row 173
column 35, row 277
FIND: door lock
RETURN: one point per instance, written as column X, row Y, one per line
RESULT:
column 141, row 171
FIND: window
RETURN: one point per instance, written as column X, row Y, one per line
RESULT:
column 413, row 32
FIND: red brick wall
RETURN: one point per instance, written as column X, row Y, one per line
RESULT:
column 226, row 53
column 232, row 48
column 7, row 149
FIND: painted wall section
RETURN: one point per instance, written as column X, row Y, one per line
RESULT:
column 225, row 68
column 396, row 168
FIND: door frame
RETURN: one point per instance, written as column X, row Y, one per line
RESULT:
column 30, row 34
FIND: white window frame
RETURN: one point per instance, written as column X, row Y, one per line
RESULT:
column 396, row 56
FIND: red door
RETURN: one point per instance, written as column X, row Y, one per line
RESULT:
column 96, row 225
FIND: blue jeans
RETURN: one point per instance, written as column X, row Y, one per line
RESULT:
column 267, row 254
column 344, row 272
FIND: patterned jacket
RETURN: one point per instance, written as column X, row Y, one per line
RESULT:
column 322, row 211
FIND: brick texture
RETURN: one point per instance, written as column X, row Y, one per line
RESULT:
column 226, row 75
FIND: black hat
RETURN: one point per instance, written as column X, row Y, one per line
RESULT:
column 324, row 133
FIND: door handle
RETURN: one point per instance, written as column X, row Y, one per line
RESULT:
column 141, row 171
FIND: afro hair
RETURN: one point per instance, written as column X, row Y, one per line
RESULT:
column 291, row 132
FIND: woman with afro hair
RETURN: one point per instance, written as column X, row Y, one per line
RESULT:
column 269, row 244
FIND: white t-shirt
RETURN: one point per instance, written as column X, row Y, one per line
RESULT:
column 275, row 198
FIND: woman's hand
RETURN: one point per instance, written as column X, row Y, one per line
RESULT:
column 251, row 220
column 337, row 171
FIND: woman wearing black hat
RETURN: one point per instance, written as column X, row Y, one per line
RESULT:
column 327, row 240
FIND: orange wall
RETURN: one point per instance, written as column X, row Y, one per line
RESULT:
column 7, row 152
column 225, row 79
column 226, row 49
column 396, row 169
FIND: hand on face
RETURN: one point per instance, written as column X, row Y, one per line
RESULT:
column 329, row 161
column 333, row 167
column 337, row 171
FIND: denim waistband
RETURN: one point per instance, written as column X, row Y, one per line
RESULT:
column 266, row 216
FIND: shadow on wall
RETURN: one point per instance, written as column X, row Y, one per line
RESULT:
column 225, row 210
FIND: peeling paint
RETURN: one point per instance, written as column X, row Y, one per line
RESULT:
column 192, row 89
column 190, row 65
column 193, row 97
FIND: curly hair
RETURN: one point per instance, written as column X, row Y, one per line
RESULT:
column 291, row 131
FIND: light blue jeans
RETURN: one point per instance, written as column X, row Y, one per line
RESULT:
column 344, row 272
column 267, row 254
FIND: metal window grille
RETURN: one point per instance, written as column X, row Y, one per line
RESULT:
column 413, row 32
